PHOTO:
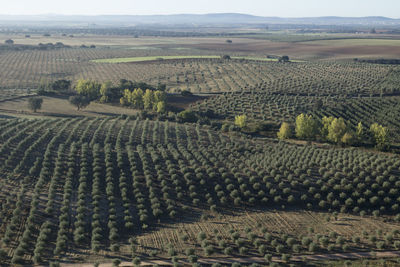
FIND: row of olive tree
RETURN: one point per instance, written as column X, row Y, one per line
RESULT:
column 335, row 130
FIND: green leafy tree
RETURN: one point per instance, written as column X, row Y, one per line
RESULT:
column 137, row 98
column 241, row 121
column 306, row 127
column 35, row 103
column 159, row 96
column 336, row 130
column 148, row 99
column 61, row 85
column 347, row 139
column 90, row 89
column 380, row 136
column 79, row 101
column 360, row 134
column 105, row 91
column 326, row 123
column 187, row 116
column 161, row 107
column 285, row 132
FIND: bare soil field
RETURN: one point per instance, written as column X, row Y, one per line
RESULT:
column 55, row 106
column 309, row 50
column 319, row 49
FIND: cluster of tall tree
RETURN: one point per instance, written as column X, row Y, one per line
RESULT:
column 126, row 92
column 335, row 130
column 149, row 99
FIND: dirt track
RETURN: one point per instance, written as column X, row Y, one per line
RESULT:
column 249, row 260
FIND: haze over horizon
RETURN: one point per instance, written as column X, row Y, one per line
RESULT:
column 267, row 8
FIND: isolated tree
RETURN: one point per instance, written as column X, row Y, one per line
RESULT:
column 79, row 101
column 285, row 132
column 9, row 42
column 35, row 103
column 306, row 127
column 241, row 121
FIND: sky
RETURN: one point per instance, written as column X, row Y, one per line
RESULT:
column 279, row 8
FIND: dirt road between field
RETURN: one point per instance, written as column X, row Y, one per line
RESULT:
column 249, row 260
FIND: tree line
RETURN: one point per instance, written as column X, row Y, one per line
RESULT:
column 128, row 93
column 335, row 130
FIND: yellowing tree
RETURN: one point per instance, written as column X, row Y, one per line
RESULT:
column 105, row 91
column 285, row 132
column 159, row 96
column 360, row 133
column 347, row 139
column 161, row 107
column 126, row 98
column 90, row 89
column 326, row 122
column 336, row 130
column 148, row 99
column 137, row 98
column 306, row 127
column 241, row 120
column 380, row 135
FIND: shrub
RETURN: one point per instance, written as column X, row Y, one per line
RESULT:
column 228, row 251
column 285, row 257
column 243, row 250
column 201, row 236
column 136, row 261
column 241, row 121
column 209, row 250
column 192, row 258
column 116, row 262
column 268, row 257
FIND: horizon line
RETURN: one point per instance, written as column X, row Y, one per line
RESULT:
column 200, row 14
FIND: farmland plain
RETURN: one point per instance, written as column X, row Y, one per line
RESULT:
column 111, row 182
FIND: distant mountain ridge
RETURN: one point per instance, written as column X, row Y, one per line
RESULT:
column 202, row 19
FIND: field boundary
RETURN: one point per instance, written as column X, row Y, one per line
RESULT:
column 162, row 58
column 249, row 260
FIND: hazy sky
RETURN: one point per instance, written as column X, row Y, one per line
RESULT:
column 281, row 8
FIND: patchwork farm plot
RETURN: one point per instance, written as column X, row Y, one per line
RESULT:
column 27, row 69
